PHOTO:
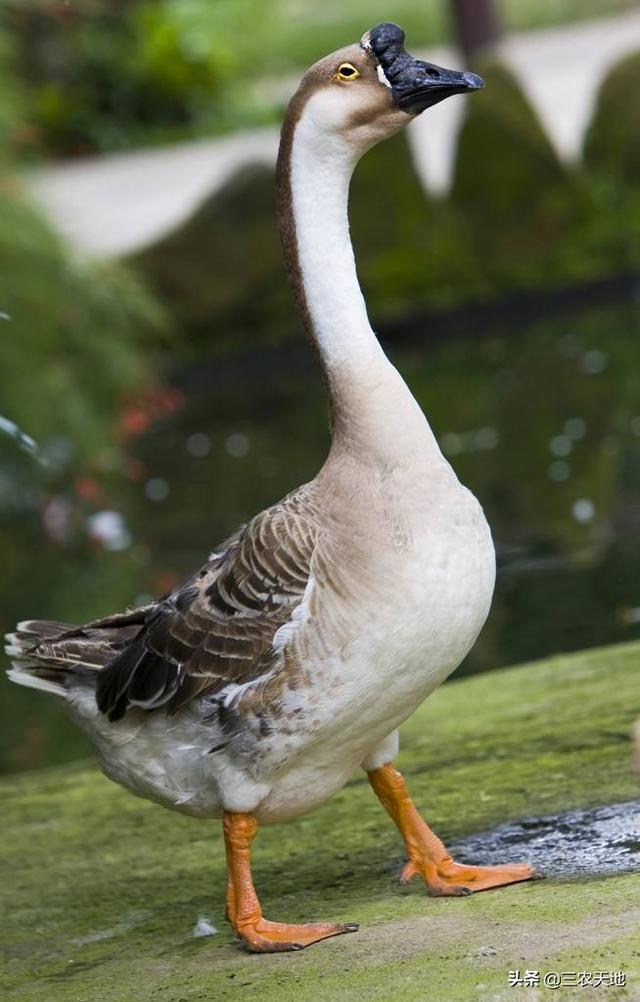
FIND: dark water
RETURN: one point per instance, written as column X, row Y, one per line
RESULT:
column 541, row 419
column 581, row 843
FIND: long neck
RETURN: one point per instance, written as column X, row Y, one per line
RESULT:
column 313, row 175
column 313, row 188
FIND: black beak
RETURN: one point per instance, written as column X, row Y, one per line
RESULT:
column 415, row 85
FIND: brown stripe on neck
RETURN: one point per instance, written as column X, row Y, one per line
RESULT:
column 285, row 211
column 288, row 235
column 314, row 80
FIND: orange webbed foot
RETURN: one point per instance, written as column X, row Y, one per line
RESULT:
column 428, row 857
column 275, row 937
column 243, row 907
column 446, row 877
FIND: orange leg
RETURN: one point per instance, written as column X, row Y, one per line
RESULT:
column 243, row 907
column 427, row 854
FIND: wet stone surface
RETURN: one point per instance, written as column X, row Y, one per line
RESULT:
column 579, row 843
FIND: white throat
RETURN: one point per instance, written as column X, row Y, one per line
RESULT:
column 366, row 389
column 321, row 166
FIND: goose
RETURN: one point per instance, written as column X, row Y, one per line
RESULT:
column 255, row 690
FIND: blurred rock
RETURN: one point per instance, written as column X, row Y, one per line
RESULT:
column 516, row 196
column 612, row 142
column 221, row 274
column 505, row 159
column 392, row 227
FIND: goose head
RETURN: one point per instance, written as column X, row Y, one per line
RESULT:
column 366, row 92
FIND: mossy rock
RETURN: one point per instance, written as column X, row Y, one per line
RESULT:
column 505, row 159
column 221, row 273
column 412, row 250
column 520, row 204
column 390, row 216
column 612, row 142
column 104, row 891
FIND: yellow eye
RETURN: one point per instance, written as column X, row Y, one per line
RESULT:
column 347, row 71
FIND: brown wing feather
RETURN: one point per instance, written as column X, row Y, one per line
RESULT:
column 219, row 627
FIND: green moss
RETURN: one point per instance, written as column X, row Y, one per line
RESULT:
column 106, row 889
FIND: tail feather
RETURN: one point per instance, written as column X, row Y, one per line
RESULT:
column 43, row 628
column 34, row 677
column 53, row 656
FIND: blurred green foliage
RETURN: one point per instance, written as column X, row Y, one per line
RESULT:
column 110, row 74
column 78, row 342
column 12, row 108
column 99, row 73
column 71, row 330
column 81, row 324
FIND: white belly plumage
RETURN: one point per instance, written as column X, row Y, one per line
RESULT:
column 359, row 699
